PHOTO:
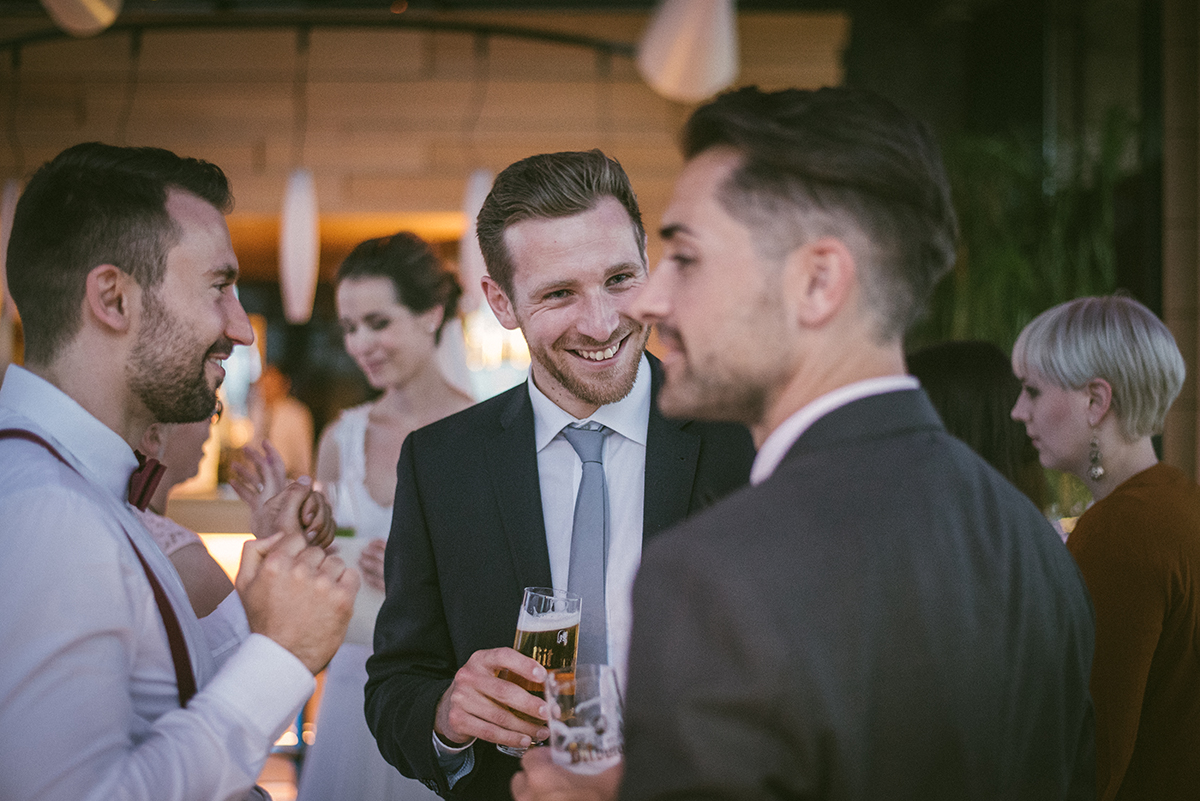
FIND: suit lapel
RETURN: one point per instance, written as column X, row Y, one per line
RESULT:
column 671, row 456
column 514, row 471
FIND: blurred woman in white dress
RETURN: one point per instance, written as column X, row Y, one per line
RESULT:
column 393, row 298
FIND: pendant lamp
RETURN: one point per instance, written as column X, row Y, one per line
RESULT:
column 83, row 17
column 299, row 247
column 689, row 51
column 471, row 268
column 452, row 351
column 299, row 226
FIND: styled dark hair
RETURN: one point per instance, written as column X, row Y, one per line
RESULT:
column 972, row 386
column 845, row 163
column 417, row 274
column 96, row 204
column 549, row 186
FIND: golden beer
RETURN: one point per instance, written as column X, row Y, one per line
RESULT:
column 547, row 632
column 552, row 640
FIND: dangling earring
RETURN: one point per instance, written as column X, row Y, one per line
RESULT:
column 1096, row 471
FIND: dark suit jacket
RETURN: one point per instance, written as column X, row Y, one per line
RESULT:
column 884, row 618
column 468, row 537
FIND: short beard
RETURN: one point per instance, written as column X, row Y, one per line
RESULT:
column 173, row 390
column 604, row 393
column 702, row 396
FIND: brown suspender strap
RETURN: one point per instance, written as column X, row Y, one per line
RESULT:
column 185, row 679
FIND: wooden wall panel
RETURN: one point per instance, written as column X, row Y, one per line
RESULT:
column 396, row 119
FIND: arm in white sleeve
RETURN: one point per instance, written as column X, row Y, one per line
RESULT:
column 88, row 702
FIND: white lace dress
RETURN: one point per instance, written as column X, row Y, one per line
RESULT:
column 344, row 764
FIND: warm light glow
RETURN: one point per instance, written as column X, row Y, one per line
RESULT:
column 227, row 550
column 491, row 345
column 432, row 226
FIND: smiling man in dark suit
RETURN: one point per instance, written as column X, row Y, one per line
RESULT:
column 485, row 499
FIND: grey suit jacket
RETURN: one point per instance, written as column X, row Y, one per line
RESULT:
column 468, row 537
column 884, row 617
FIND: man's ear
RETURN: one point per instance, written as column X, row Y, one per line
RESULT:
column 818, row 279
column 110, row 296
column 153, row 440
column 501, row 306
column 1099, row 394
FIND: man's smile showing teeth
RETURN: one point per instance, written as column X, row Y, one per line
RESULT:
column 600, row 355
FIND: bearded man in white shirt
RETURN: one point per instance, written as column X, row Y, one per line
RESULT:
column 121, row 266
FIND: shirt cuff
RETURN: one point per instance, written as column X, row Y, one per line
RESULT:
column 265, row 682
column 455, row 761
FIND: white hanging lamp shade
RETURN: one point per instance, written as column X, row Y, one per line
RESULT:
column 299, row 247
column 83, row 17
column 8, row 208
column 689, row 51
column 470, row 259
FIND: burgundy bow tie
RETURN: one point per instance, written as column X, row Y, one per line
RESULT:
column 144, row 480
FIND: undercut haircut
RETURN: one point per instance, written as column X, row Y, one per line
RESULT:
column 417, row 275
column 1115, row 338
column 845, row 163
column 550, row 186
column 96, row 204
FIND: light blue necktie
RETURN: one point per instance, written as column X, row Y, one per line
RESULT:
column 589, row 543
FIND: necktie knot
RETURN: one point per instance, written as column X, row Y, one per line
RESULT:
column 587, row 442
column 144, row 480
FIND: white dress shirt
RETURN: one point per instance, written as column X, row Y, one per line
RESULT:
column 786, row 433
column 88, row 701
column 560, row 471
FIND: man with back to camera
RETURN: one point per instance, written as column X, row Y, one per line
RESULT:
column 893, row 620
column 121, row 266
column 485, row 498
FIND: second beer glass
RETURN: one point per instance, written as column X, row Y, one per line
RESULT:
column 548, row 632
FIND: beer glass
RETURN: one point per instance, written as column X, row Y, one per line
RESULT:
column 586, row 718
column 548, row 632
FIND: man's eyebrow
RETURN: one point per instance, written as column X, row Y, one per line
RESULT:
column 552, row 286
column 669, row 231
column 227, row 272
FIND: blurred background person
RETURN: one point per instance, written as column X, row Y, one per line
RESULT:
column 282, row 420
column 1098, row 375
column 393, row 298
column 180, row 447
column 972, row 386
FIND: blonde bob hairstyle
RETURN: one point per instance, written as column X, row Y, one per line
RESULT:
column 1114, row 338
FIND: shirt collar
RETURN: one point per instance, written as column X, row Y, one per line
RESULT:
column 785, row 435
column 629, row 417
column 95, row 446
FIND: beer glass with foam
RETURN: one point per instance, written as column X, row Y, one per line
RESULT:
column 548, row 632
